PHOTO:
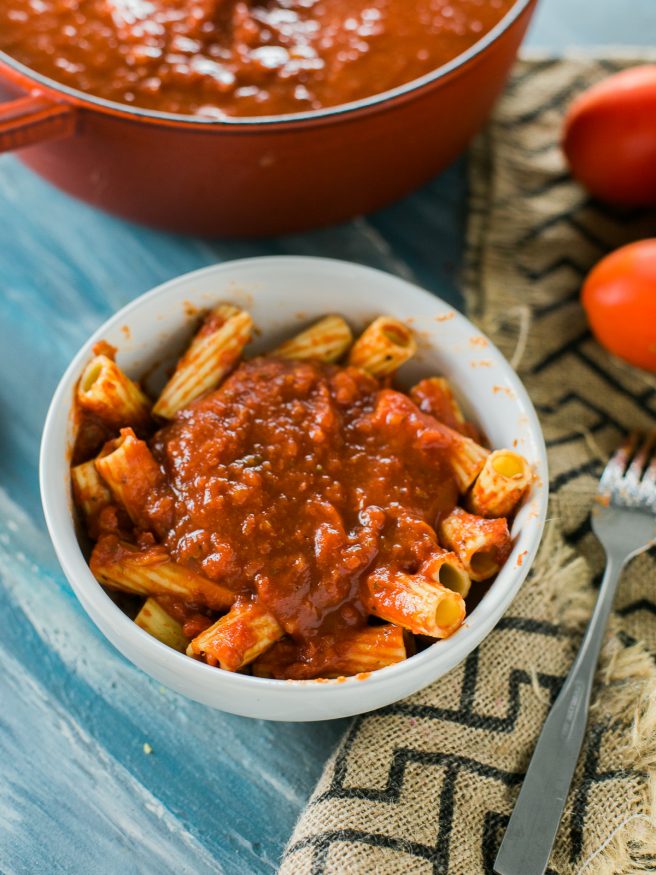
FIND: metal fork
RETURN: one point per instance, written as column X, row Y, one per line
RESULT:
column 624, row 520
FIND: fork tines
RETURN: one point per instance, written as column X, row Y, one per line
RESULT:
column 629, row 478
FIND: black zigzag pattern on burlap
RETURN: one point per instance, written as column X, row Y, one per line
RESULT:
column 453, row 765
column 555, row 102
column 548, row 185
column 577, row 534
column 532, row 70
column 576, row 220
column 644, row 401
column 576, row 229
column 591, row 776
column 496, row 823
column 638, row 605
column 562, row 262
column 579, row 347
column 578, row 404
column 592, row 467
column 560, row 352
column 577, row 217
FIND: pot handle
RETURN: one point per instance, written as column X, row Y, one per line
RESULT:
column 31, row 119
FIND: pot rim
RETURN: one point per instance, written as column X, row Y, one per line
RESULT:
column 375, row 100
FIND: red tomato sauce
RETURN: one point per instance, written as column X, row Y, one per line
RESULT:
column 222, row 58
column 289, row 483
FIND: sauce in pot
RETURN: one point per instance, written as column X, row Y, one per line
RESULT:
column 221, row 58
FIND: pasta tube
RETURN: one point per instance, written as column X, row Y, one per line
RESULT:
column 414, row 602
column 122, row 566
column 465, row 457
column 383, row 347
column 279, row 661
column 154, row 620
column 367, row 650
column 364, row 650
column 211, row 354
column 482, row 545
column 246, row 631
column 90, row 492
column 131, row 472
column 499, row 487
column 326, row 340
column 445, row 568
column 105, row 391
column 434, row 396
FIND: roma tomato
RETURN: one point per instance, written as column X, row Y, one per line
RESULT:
column 619, row 298
column 609, row 137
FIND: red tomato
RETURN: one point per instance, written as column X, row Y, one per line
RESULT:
column 610, row 137
column 619, row 297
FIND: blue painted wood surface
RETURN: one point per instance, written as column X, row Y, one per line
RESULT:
column 78, row 793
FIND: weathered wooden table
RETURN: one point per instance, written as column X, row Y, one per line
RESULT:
column 78, row 792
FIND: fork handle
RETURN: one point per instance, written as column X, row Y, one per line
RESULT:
column 532, row 828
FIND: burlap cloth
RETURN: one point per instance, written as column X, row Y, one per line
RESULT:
column 427, row 785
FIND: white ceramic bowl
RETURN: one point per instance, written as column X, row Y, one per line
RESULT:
column 282, row 293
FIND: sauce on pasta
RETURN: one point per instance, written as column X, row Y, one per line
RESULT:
column 288, row 482
column 287, row 515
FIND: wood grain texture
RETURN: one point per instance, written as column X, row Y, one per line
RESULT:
column 77, row 792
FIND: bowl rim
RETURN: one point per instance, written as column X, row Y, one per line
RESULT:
column 341, row 110
column 56, row 506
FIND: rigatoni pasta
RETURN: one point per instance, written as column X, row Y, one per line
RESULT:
column 211, row 354
column 435, row 396
column 415, row 602
column 239, row 637
column 500, row 485
column 467, row 459
column 288, row 516
column 446, row 568
column 464, row 456
column 123, row 566
column 327, row 341
column 482, row 545
column 107, row 392
column 362, row 651
column 129, row 470
column 89, row 491
column 152, row 618
column 383, row 347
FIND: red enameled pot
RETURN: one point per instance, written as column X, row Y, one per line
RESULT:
column 255, row 176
